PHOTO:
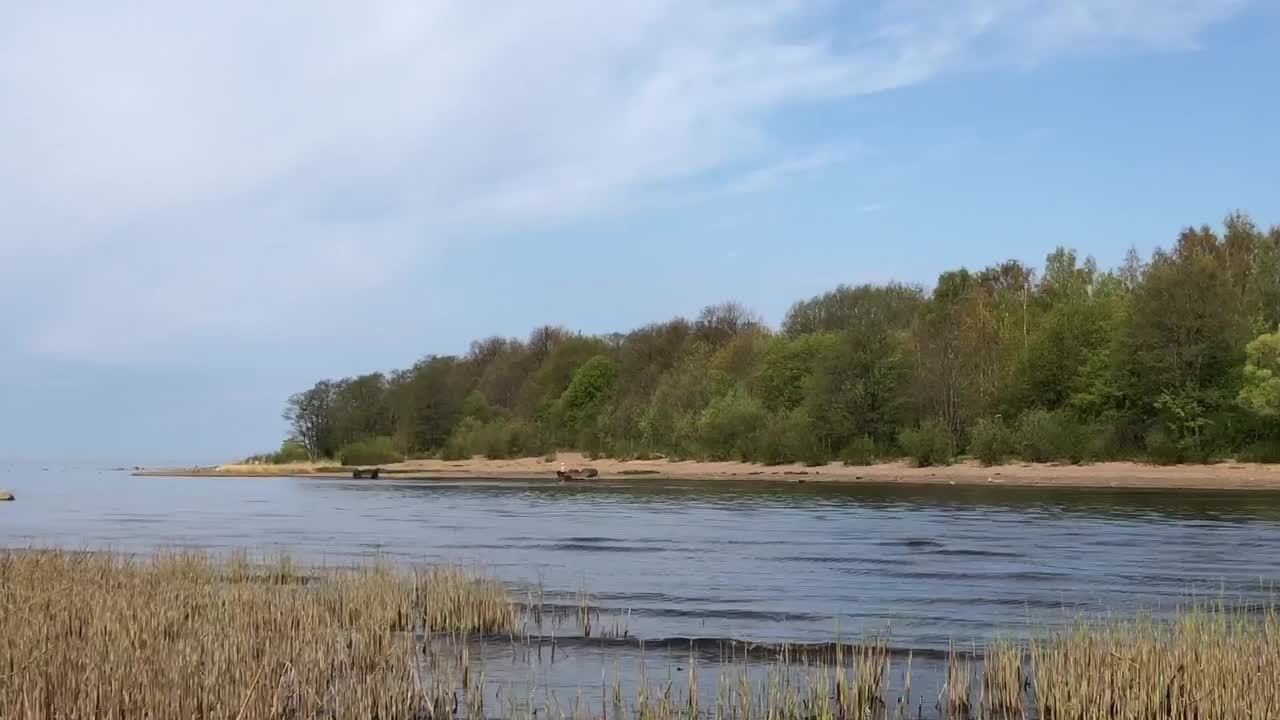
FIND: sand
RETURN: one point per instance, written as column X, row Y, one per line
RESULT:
column 1222, row 476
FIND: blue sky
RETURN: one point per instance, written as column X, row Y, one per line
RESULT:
column 205, row 209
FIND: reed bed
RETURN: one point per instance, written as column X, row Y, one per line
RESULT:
column 182, row 635
column 457, row 600
column 1208, row 663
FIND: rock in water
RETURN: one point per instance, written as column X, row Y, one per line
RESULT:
column 5, row 496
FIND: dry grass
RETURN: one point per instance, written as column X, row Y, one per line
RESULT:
column 181, row 635
column 1208, row 663
column 293, row 468
column 455, row 600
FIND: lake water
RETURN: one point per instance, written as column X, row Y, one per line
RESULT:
column 698, row 560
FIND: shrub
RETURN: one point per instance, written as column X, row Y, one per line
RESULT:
column 991, row 441
column 929, row 444
column 373, row 451
column 455, row 450
column 729, row 427
column 496, row 440
column 476, row 406
column 1113, row 440
column 788, row 437
column 815, row 455
column 862, row 451
column 1263, row 451
column 291, row 451
column 1048, row 436
column 1076, row 440
column 1189, row 424
column 1162, row 449
column 529, row 440
column 1037, row 436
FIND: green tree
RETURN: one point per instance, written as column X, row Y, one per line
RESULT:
column 559, row 365
column 502, row 366
column 1184, row 332
column 788, row 364
column 858, row 387
column 429, row 404
column 476, row 406
column 1265, row 274
column 581, row 403
column 945, row 371
column 1075, row 324
column 1147, row 359
column 861, row 309
column 310, row 417
column 670, row 422
column 1260, row 392
column 718, row 324
column 736, row 363
column 360, row 408
column 730, row 426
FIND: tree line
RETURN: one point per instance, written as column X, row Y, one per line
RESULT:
column 1172, row 358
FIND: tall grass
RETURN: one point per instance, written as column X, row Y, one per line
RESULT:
column 1207, row 663
column 461, row 601
column 181, row 635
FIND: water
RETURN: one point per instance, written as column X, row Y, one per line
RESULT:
column 756, row 562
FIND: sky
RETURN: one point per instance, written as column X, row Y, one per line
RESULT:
column 207, row 206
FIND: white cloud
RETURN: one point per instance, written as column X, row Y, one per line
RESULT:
column 768, row 176
column 175, row 174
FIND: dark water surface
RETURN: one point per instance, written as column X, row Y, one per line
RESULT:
column 757, row 562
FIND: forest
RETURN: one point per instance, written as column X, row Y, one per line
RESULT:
column 1173, row 358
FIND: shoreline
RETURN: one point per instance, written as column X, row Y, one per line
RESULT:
column 1120, row 475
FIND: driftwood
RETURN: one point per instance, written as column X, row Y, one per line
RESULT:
column 360, row 474
column 577, row 474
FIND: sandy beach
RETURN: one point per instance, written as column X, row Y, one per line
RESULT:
column 1222, row 476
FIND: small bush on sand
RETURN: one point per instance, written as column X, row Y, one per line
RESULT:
column 862, row 451
column 788, row 437
column 929, row 444
column 1263, row 451
column 1161, row 448
column 374, row 451
column 991, row 441
column 1054, row 436
column 291, row 451
column 815, row 455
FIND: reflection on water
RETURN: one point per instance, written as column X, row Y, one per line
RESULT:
column 705, row 560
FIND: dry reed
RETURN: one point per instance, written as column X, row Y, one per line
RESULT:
column 1208, row 663
column 181, row 635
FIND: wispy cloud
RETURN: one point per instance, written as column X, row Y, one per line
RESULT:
column 180, row 175
column 788, row 168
